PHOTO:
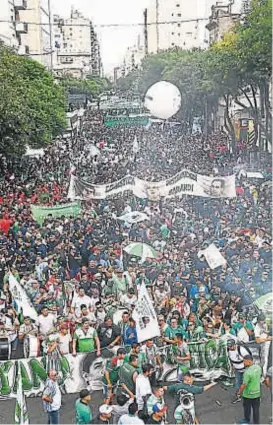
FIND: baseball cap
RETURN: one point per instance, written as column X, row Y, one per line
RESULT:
column 84, row 393
column 105, row 409
column 157, row 408
column 230, row 342
column 85, row 320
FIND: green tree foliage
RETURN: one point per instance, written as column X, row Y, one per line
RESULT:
column 92, row 86
column 32, row 106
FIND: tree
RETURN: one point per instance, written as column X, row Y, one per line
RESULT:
column 32, row 106
column 91, row 86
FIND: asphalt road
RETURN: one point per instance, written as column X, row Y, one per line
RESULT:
column 208, row 411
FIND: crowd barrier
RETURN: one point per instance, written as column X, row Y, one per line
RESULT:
column 209, row 360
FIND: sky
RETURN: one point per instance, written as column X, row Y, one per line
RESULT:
column 114, row 41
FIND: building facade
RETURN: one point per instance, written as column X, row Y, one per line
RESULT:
column 11, row 25
column 38, row 35
column 221, row 20
column 77, row 46
column 177, row 23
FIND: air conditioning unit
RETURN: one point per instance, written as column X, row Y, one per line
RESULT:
column 20, row 4
column 23, row 50
column 21, row 27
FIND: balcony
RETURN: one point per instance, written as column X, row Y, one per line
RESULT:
column 20, row 4
column 23, row 50
column 21, row 28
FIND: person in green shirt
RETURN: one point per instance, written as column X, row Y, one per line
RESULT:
column 111, row 373
column 251, row 390
column 83, row 410
column 172, row 331
column 85, row 339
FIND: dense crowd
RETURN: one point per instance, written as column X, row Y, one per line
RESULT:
column 85, row 290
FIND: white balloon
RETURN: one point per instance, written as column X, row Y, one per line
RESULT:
column 163, row 100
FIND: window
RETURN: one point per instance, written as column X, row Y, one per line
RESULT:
column 179, row 25
column 178, row 5
column 172, row 44
column 172, row 33
column 179, row 15
column 178, row 34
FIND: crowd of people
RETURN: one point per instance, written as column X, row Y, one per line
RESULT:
column 84, row 288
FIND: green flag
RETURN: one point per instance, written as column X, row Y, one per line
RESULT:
column 40, row 213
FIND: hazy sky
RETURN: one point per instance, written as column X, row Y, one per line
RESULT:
column 114, row 41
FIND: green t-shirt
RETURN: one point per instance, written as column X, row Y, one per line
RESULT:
column 252, row 379
column 113, row 366
column 83, row 413
column 171, row 332
column 86, row 341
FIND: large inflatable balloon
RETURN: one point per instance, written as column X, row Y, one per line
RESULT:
column 163, row 100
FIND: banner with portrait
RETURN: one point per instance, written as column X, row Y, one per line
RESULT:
column 183, row 183
column 209, row 360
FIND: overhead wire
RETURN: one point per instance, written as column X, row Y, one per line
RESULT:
column 61, row 23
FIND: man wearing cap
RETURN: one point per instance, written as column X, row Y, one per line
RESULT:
column 83, row 410
column 251, row 390
column 104, row 416
column 236, row 354
column 85, row 339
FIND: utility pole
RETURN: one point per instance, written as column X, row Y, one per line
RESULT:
column 157, row 25
column 50, row 35
column 145, row 14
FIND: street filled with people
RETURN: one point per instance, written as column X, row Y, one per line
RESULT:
column 84, row 286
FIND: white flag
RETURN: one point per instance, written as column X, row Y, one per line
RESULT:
column 22, row 300
column 134, row 217
column 135, row 145
column 145, row 316
column 213, row 256
column 21, row 413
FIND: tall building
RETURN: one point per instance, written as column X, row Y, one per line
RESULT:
column 224, row 15
column 11, row 25
column 78, row 50
column 133, row 57
column 177, row 23
column 38, row 33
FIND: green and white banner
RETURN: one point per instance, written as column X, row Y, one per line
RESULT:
column 40, row 213
column 209, row 360
column 136, row 121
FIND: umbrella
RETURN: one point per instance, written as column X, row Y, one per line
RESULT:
column 141, row 250
column 265, row 302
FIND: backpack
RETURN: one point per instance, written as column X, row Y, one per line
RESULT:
column 246, row 348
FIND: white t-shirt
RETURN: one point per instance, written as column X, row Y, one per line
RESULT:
column 129, row 420
column 45, row 323
column 260, row 331
column 243, row 336
column 78, row 301
column 143, row 388
column 64, row 341
column 237, row 359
